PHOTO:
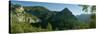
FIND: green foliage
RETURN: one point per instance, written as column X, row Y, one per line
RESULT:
column 93, row 8
column 83, row 25
column 85, row 8
column 49, row 20
column 93, row 21
column 93, row 15
column 49, row 27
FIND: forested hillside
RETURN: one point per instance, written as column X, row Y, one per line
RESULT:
column 40, row 19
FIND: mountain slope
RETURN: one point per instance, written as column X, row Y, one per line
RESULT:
column 64, row 20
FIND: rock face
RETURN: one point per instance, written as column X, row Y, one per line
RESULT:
column 19, row 9
column 22, row 16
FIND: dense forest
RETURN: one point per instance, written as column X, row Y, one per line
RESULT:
column 40, row 19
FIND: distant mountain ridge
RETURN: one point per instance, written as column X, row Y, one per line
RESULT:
column 84, row 17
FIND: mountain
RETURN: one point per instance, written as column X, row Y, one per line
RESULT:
column 38, row 11
column 64, row 20
column 58, row 19
column 39, row 18
column 84, row 17
column 42, row 13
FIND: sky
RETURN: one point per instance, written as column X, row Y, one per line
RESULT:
column 74, row 8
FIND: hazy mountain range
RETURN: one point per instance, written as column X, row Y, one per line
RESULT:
column 84, row 17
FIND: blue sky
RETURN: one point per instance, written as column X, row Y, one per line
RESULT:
column 75, row 9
